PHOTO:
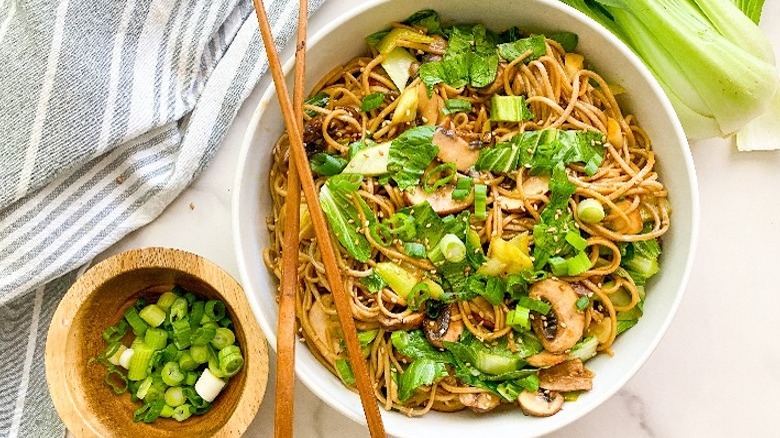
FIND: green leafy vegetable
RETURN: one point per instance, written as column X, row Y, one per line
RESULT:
column 410, row 153
column 414, row 345
column 345, row 371
column 511, row 51
column 320, row 99
column 714, row 63
column 421, row 372
column 470, row 58
column 373, row 282
column 337, row 198
column 372, row 101
column 452, row 106
column 567, row 40
column 544, row 149
column 502, row 158
column 427, row 18
column 555, row 220
column 327, row 164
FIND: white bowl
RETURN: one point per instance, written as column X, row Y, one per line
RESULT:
column 341, row 40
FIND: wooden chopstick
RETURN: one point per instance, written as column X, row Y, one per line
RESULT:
column 340, row 296
column 285, row 329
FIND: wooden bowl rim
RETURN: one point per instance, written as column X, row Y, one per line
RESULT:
column 250, row 397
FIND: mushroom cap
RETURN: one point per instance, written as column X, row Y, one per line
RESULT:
column 454, row 149
column 570, row 320
column 443, row 328
column 441, row 200
column 540, row 404
column 567, row 376
column 480, row 402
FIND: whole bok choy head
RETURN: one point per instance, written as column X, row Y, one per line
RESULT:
column 714, row 63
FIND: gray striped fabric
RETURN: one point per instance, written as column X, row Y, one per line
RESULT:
column 108, row 110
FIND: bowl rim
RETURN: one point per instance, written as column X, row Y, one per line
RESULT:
column 250, row 397
column 666, row 107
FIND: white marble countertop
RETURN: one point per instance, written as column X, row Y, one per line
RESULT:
column 717, row 371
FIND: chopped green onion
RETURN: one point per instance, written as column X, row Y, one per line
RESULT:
column 223, row 337
column 578, row 264
column 153, row 315
column 575, row 240
column 186, row 362
column 372, row 101
column 367, row 337
column 452, row 106
column 174, row 396
column 509, row 109
column 453, row 249
column 190, row 297
column 214, row 364
column 414, row 249
column 535, row 305
column 182, row 333
column 480, row 201
column 135, row 321
column 171, row 374
column 156, row 338
column 590, row 211
column 559, row 266
column 200, row 353
column 143, row 388
column 149, row 412
column 226, row 322
column 166, row 299
column 167, row 412
column 345, row 371
column 326, row 164
column 196, row 313
column 582, row 303
column 462, row 188
column 203, row 335
column 181, row 413
column 438, row 176
column 118, row 388
column 178, row 309
column 170, row 352
column 215, row 310
column 519, row 318
column 230, row 360
column 139, row 363
column 115, row 332
column 420, row 293
column 190, row 378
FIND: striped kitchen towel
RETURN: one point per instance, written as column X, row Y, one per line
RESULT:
column 108, row 110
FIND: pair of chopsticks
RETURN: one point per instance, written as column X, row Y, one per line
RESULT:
column 300, row 173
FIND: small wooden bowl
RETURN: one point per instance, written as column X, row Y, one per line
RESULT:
column 98, row 300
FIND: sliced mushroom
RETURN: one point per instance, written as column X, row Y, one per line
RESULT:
column 536, row 185
column 567, row 376
column 408, row 322
column 615, row 221
column 545, row 359
column 480, row 402
column 513, row 205
column 443, row 328
column 454, row 149
column 441, row 200
column 540, row 404
column 533, row 187
column 560, row 329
